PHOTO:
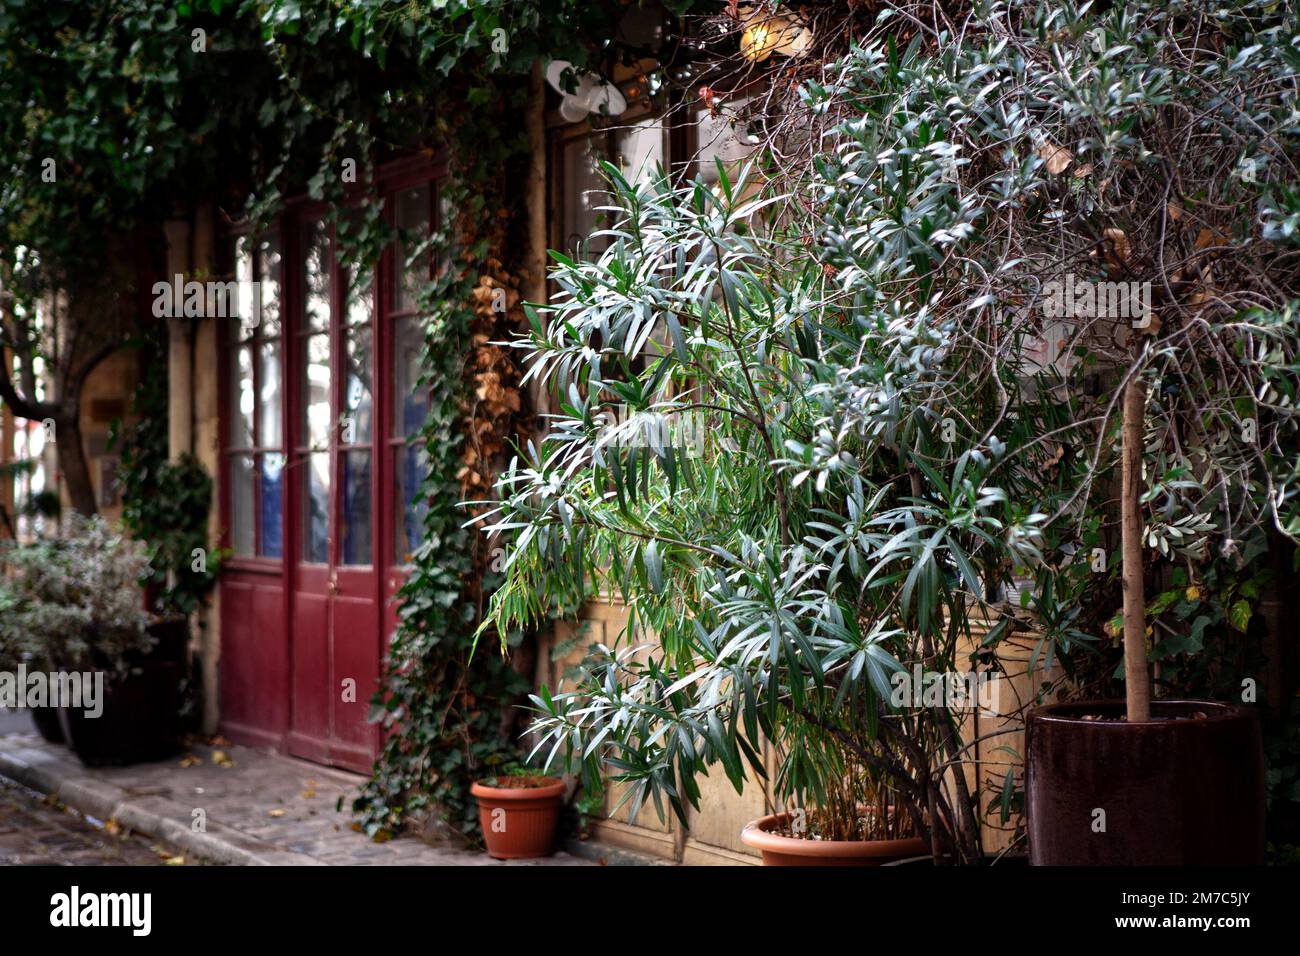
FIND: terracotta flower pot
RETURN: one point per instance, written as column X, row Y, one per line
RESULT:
column 780, row 850
column 1185, row 788
column 519, row 822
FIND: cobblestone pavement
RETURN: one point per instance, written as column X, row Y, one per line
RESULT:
column 231, row 804
column 36, row 830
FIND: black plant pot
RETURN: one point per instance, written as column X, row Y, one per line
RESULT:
column 47, row 724
column 140, row 720
column 1185, row 788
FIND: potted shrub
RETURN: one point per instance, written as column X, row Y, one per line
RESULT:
column 1204, row 380
column 80, row 608
column 856, row 824
column 519, row 811
column 1153, row 782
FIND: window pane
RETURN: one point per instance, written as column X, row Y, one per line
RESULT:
column 722, row 137
column 316, row 411
column 268, row 264
column 355, row 513
column 316, row 277
column 412, row 218
column 241, row 399
column 583, row 195
column 244, row 276
column 358, row 408
column 361, row 299
column 641, row 150
column 410, row 400
column 411, row 461
column 271, row 473
column 316, row 507
column 268, row 408
column 241, row 505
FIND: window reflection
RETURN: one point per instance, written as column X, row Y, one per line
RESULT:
column 316, row 504
column 271, row 472
column 358, row 411
column 242, row 524
column 411, row 463
column 355, row 517
column 411, row 215
column 316, row 404
column 410, row 399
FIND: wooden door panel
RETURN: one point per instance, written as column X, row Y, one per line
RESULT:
column 254, row 661
column 356, row 658
column 311, row 671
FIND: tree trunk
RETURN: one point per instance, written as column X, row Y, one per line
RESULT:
column 72, row 462
column 1137, row 682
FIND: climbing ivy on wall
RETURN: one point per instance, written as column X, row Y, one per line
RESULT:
column 440, row 707
column 165, row 504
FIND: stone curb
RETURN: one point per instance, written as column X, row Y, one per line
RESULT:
column 154, row 816
column 610, row 855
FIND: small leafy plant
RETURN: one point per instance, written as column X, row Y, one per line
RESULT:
column 76, row 601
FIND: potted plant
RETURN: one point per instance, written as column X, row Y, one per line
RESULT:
column 80, row 610
column 519, row 810
column 1156, row 782
column 1202, row 375
column 855, row 824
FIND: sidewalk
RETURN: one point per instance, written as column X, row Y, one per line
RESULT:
column 259, row 807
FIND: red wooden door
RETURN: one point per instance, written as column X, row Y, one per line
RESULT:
column 334, row 582
column 323, row 408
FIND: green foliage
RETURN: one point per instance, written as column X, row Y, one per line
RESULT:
column 890, row 449
column 74, row 601
column 439, row 706
column 165, row 505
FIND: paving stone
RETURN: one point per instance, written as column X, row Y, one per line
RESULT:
column 262, row 809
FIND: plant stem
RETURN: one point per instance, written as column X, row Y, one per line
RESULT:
column 1137, row 682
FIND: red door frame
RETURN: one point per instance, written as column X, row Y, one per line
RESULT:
column 257, row 661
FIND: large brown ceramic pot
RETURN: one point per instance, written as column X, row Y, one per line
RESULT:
column 1183, row 788
column 519, row 815
column 780, row 850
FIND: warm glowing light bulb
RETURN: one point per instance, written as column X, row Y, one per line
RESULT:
column 757, row 42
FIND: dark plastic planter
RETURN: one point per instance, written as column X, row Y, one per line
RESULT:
column 1185, row 788
column 141, row 711
column 48, row 724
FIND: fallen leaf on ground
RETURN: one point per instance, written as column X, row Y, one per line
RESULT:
column 277, row 812
column 175, row 861
column 189, row 760
column 222, row 759
column 1056, row 157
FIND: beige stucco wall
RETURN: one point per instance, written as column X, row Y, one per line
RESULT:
column 193, row 422
column 106, row 396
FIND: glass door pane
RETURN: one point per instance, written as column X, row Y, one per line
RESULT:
column 314, row 439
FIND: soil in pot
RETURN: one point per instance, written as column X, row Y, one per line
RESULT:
column 519, row 815
column 1185, row 788
column 780, row 850
column 140, row 717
